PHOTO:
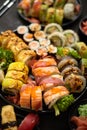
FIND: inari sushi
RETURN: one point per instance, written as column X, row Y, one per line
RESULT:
column 8, row 118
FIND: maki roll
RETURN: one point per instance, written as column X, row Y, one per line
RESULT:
column 57, row 39
column 71, row 36
column 34, row 45
column 43, row 13
column 75, row 83
column 28, row 37
column 34, row 27
column 69, row 11
column 44, row 42
column 81, row 47
column 52, row 27
column 59, row 15
column 50, row 15
column 70, row 69
column 39, row 35
column 8, row 118
column 67, row 60
column 22, row 29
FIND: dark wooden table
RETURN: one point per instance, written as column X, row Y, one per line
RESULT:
column 10, row 20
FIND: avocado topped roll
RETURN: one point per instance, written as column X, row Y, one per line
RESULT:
column 75, row 83
column 8, row 118
column 52, row 27
column 71, row 36
column 57, row 39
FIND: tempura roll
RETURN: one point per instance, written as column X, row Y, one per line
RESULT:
column 8, row 118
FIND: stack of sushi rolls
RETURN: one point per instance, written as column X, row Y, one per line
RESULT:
column 16, row 76
column 72, row 75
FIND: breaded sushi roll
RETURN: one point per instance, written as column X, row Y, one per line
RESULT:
column 75, row 83
column 67, row 60
column 8, row 118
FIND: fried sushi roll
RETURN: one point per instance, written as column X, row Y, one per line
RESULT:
column 8, row 118
column 75, row 83
column 54, row 94
column 11, row 85
column 67, row 60
column 18, row 66
column 25, row 56
column 70, row 69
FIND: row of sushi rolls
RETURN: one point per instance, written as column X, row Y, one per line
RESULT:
column 42, row 68
column 48, row 11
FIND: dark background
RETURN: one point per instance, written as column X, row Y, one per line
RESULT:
column 10, row 20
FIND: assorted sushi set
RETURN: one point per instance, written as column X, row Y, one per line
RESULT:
column 62, row 12
column 46, row 68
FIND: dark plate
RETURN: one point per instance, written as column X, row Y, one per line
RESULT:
column 45, row 109
column 66, row 22
column 74, row 112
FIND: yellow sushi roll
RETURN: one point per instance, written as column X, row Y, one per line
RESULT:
column 19, row 66
column 17, row 75
column 11, row 85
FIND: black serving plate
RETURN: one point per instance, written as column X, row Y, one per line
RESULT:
column 65, row 23
column 74, row 112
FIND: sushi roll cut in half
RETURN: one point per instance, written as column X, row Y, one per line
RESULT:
column 52, row 27
column 75, row 83
column 22, row 29
column 34, row 27
column 57, row 39
column 67, row 60
column 71, row 36
column 8, row 118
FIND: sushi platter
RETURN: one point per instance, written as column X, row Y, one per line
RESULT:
column 63, row 12
column 46, row 70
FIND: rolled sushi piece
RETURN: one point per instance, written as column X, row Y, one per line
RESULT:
column 8, row 118
column 81, row 47
column 59, row 15
column 70, row 69
column 44, row 42
column 84, row 66
column 50, row 17
column 22, row 29
column 71, row 36
column 67, row 60
column 59, row 3
column 52, row 49
column 42, row 51
column 28, row 37
column 34, row 27
column 34, row 45
column 52, row 27
column 43, row 13
column 75, row 83
column 69, row 11
column 39, row 35
column 57, row 39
